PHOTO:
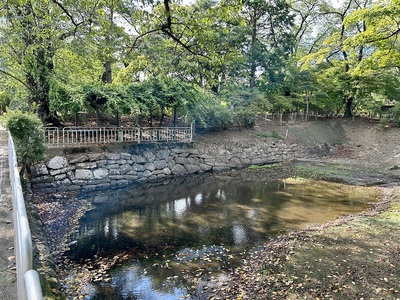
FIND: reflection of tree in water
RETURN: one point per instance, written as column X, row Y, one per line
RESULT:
column 236, row 209
column 210, row 210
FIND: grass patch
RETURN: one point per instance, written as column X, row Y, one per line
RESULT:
column 265, row 167
column 321, row 171
column 265, row 135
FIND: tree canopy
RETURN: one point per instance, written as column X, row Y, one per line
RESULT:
column 166, row 61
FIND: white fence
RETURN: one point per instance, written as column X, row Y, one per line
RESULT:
column 292, row 117
column 28, row 283
column 81, row 136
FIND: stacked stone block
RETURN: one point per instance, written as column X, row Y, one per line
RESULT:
column 111, row 170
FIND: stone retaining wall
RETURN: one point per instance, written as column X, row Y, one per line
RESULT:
column 152, row 163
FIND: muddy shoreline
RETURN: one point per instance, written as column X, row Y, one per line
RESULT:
column 263, row 274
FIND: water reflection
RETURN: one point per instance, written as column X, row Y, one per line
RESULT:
column 186, row 222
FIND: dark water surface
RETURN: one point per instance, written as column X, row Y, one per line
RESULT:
column 197, row 226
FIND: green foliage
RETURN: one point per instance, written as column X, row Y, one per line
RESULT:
column 209, row 111
column 395, row 111
column 268, row 36
column 30, row 34
column 356, row 56
column 5, row 101
column 380, row 34
column 158, row 59
column 326, row 172
column 246, row 104
column 28, row 137
column 273, row 134
column 262, row 134
column 266, row 167
column 158, row 97
column 384, row 120
column 276, row 135
column 109, row 99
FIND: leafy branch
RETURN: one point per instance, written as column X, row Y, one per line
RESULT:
column 17, row 79
column 166, row 28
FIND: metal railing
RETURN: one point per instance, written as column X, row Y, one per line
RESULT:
column 80, row 136
column 28, row 283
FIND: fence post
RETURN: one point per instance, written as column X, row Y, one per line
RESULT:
column 192, row 130
column 120, row 136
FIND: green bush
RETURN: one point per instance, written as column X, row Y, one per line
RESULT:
column 395, row 114
column 5, row 100
column 245, row 117
column 276, row 135
column 26, row 130
column 209, row 112
column 384, row 120
column 246, row 104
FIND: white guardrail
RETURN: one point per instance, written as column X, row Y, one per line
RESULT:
column 75, row 136
column 28, row 283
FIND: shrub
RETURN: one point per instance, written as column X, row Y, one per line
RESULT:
column 384, row 120
column 209, row 112
column 26, row 130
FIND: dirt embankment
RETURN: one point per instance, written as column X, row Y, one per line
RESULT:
column 358, row 141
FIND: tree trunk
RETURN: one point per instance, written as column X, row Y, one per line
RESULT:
column 174, row 116
column 161, row 119
column 43, row 112
column 97, row 116
column 40, row 85
column 23, row 169
column 76, row 119
column 307, row 106
column 349, row 110
column 117, row 118
column 253, row 65
column 107, row 75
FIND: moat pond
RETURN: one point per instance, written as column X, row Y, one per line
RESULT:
column 199, row 227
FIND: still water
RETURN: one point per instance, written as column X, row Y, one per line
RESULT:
column 187, row 227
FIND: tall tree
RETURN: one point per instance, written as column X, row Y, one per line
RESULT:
column 380, row 37
column 206, row 47
column 30, row 38
column 35, row 33
column 333, row 57
column 269, row 34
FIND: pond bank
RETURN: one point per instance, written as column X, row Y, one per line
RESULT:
column 267, row 268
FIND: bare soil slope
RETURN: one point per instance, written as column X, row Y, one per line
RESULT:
column 360, row 141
